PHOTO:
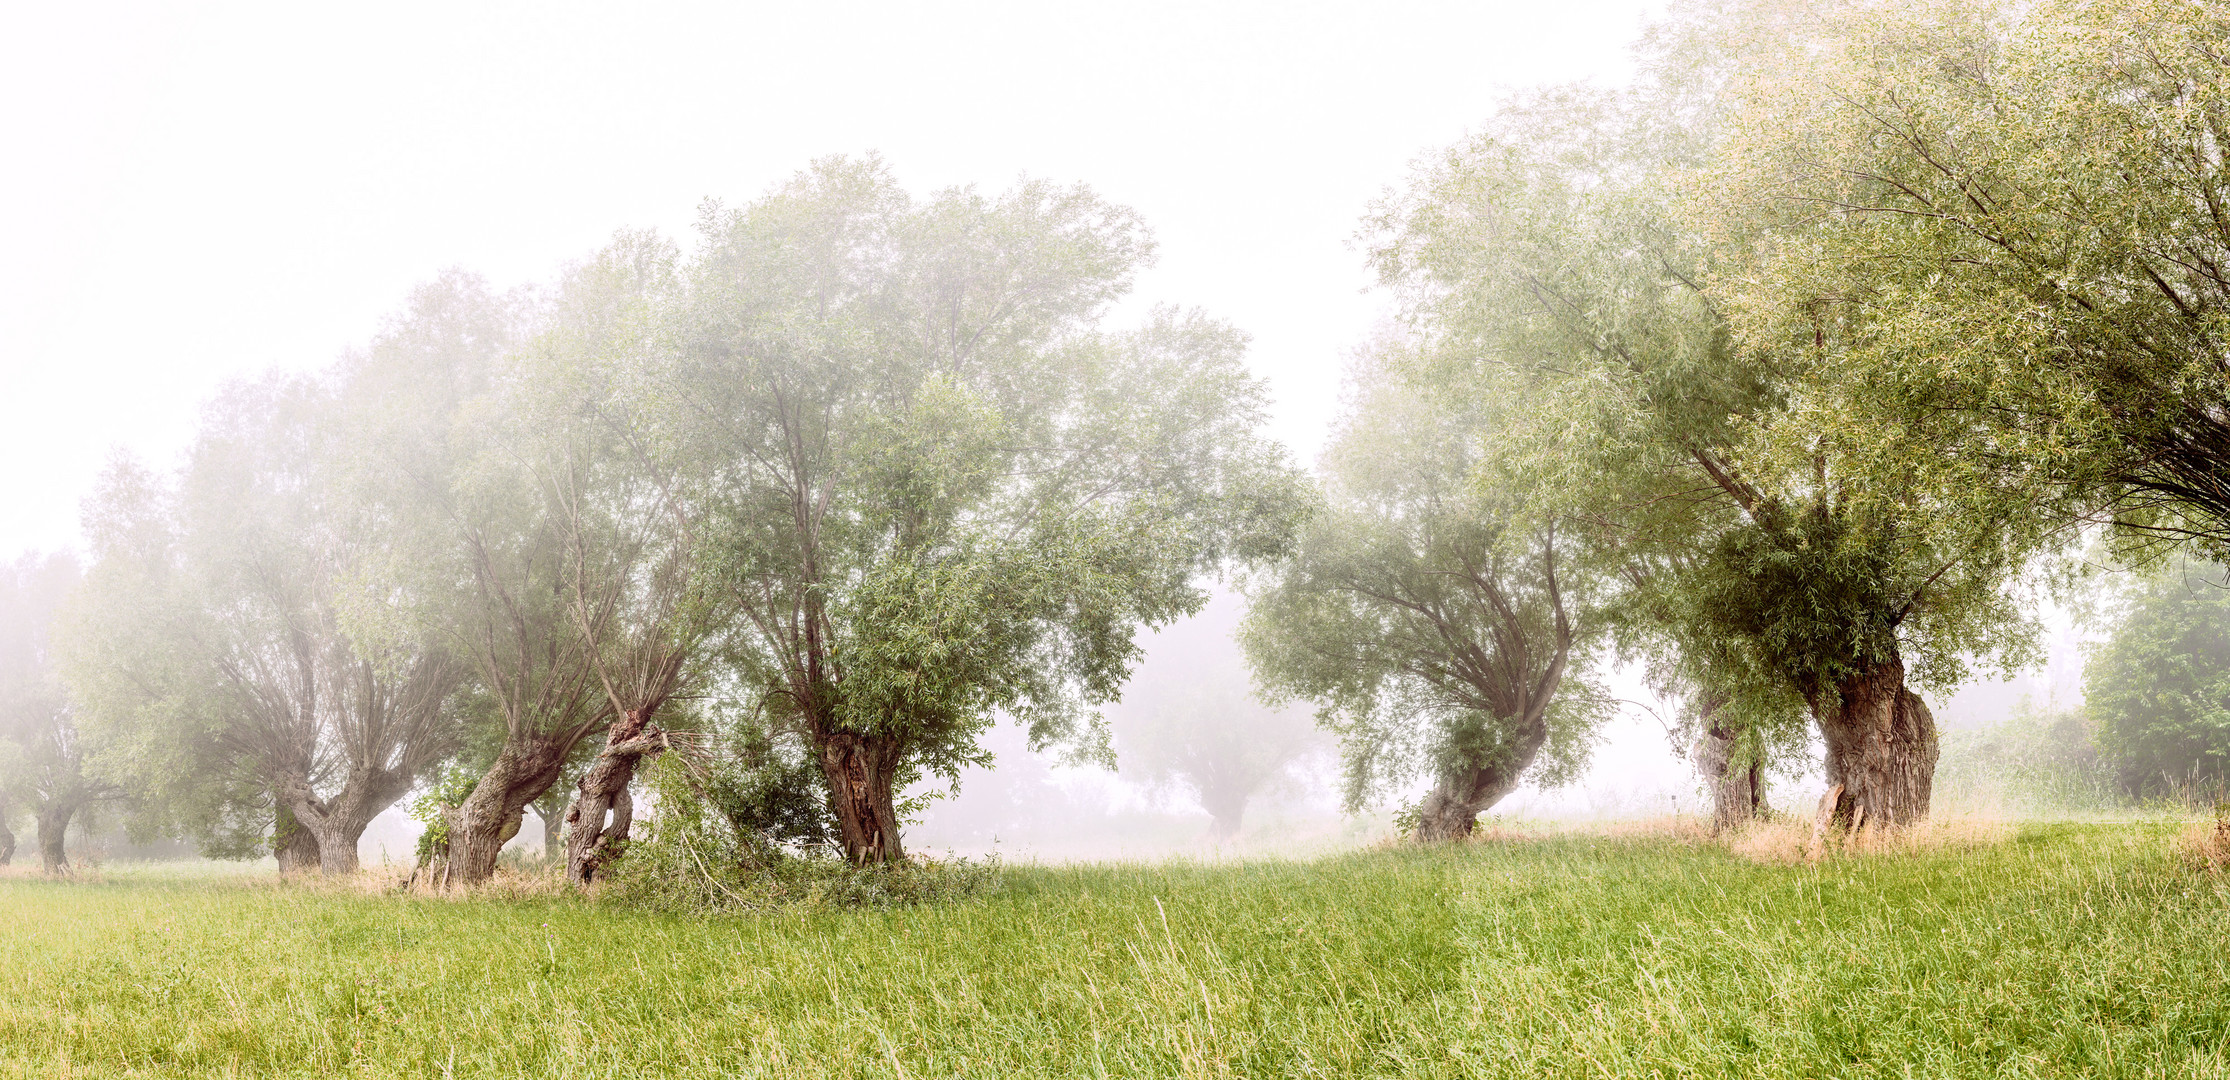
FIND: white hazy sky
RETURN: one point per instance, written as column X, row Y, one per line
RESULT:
column 190, row 193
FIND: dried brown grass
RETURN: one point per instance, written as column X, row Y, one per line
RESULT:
column 31, row 872
column 1788, row 840
column 2207, row 841
column 396, row 879
column 1684, row 830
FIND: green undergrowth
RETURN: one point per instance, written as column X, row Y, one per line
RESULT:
column 2094, row 950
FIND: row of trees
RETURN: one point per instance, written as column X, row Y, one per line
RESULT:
column 1781, row 371
column 864, row 465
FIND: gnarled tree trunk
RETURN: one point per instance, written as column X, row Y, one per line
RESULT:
column 1732, row 769
column 490, row 816
column 861, row 771
column 1881, row 747
column 597, row 823
column 336, row 825
column 7, row 837
column 54, row 825
column 1451, row 810
column 294, row 846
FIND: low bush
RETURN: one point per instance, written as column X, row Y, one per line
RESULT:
column 701, row 852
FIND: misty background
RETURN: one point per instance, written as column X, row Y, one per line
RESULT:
column 201, row 194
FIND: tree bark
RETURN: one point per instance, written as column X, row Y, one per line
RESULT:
column 7, row 837
column 1451, row 810
column 596, row 825
column 490, row 816
column 337, row 833
column 1732, row 769
column 1881, row 747
column 861, row 771
column 1736, row 777
column 294, row 846
column 337, row 824
column 54, row 825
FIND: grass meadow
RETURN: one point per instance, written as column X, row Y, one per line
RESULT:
column 2038, row 950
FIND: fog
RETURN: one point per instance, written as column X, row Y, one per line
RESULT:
column 204, row 192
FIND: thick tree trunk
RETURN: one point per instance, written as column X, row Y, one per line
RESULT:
column 336, row 825
column 1736, row 777
column 54, row 825
column 1226, row 808
column 1732, row 769
column 597, row 823
column 337, row 839
column 293, row 844
column 7, row 837
column 1881, row 747
column 1451, row 810
column 861, row 771
column 523, row 770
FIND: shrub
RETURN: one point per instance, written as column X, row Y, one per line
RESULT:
column 719, row 840
column 2038, row 761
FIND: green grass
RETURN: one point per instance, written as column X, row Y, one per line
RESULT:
column 2066, row 950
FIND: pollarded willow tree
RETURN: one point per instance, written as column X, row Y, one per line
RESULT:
column 1736, row 722
column 2010, row 225
column 474, row 546
column 1441, row 630
column 941, row 491
column 211, row 647
column 1190, row 718
column 1548, row 266
column 47, row 762
column 637, row 515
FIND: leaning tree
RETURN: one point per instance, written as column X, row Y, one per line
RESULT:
column 636, row 514
column 473, row 548
column 1441, row 631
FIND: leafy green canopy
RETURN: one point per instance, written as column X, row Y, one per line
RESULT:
column 2013, row 221
column 1550, row 273
column 937, row 490
column 211, row 647
column 1437, row 631
column 453, row 450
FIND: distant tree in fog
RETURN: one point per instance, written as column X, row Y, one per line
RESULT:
column 1219, row 740
column 1190, row 716
column 45, row 758
column 211, row 645
column 2157, row 692
column 1441, row 632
